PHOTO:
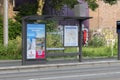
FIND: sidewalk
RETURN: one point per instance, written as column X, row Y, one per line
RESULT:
column 8, row 63
column 11, row 66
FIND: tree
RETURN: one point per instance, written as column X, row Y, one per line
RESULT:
column 25, row 10
column 111, row 2
column 57, row 4
column 31, row 9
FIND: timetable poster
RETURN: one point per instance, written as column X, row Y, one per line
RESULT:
column 35, row 41
column 70, row 35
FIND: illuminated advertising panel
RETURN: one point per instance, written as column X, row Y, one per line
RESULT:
column 36, row 41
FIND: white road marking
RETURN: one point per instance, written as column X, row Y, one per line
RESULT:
column 72, row 76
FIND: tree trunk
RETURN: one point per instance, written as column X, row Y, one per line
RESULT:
column 40, row 6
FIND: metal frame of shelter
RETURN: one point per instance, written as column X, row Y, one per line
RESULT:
column 49, row 17
column 118, row 32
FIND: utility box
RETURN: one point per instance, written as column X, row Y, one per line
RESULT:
column 80, row 10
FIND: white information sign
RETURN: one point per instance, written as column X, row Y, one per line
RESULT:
column 70, row 35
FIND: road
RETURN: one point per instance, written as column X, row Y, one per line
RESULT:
column 100, row 72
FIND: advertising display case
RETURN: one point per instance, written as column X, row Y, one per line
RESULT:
column 36, row 41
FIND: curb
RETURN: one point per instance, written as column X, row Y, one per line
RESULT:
column 10, row 60
column 29, row 68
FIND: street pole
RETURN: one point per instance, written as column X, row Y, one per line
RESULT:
column 5, row 23
column 80, row 41
column 118, row 46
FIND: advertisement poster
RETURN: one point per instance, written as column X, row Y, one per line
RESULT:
column 70, row 35
column 35, row 41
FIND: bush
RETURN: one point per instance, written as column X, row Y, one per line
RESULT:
column 15, row 29
column 1, row 29
column 3, row 50
column 51, row 25
column 97, row 41
column 25, row 10
column 53, row 41
column 12, row 51
column 98, row 52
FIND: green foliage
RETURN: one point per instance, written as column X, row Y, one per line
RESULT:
column 98, row 52
column 70, row 50
column 51, row 25
column 1, row 29
column 70, row 3
column 53, row 40
column 111, row 2
column 15, row 29
column 92, row 4
column 115, row 47
column 3, row 50
column 25, row 10
column 97, row 41
column 58, row 4
column 12, row 51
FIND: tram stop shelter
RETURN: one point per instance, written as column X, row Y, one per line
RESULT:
column 30, row 29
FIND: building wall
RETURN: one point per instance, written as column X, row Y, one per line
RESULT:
column 105, row 16
column 104, row 21
column 11, row 11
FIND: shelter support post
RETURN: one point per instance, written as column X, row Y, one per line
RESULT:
column 118, row 46
column 23, row 42
column 80, row 41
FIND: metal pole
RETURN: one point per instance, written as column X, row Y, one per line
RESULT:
column 80, row 41
column 118, row 46
column 5, row 23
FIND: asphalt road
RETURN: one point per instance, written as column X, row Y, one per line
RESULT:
column 101, row 72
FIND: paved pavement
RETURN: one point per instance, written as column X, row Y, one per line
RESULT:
column 67, row 73
column 9, row 63
column 10, row 66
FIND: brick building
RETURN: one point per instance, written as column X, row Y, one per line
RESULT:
column 104, row 21
column 105, row 16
